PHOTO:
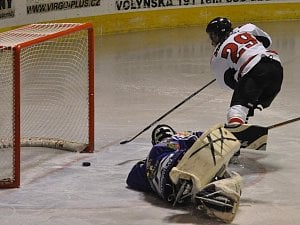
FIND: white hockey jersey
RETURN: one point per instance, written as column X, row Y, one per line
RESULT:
column 241, row 51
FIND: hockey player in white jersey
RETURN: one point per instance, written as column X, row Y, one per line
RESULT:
column 242, row 61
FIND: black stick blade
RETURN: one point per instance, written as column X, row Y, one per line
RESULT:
column 123, row 142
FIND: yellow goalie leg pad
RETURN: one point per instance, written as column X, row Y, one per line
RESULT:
column 207, row 156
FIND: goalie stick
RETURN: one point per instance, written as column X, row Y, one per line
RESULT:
column 253, row 136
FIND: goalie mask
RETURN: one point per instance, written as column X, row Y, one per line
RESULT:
column 161, row 132
column 218, row 30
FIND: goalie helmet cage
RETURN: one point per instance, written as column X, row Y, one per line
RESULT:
column 46, row 92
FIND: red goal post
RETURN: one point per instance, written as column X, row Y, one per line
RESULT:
column 46, row 92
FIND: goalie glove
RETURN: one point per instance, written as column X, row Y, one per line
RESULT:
column 221, row 198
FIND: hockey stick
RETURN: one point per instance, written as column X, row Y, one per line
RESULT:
column 167, row 113
column 251, row 136
column 283, row 123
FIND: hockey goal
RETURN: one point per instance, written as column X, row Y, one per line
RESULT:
column 46, row 92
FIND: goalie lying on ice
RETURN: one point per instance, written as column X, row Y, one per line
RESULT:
column 191, row 167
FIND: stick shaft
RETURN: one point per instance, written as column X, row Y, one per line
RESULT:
column 283, row 123
column 181, row 103
column 167, row 113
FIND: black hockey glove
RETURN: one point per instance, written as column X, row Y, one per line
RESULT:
column 265, row 41
column 229, row 78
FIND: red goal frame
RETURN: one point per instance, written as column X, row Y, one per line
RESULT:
column 16, row 92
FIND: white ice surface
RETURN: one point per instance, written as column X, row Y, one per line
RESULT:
column 139, row 77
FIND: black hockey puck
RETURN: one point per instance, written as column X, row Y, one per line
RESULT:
column 86, row 164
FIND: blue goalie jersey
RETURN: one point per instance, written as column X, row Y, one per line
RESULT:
column 152, row 174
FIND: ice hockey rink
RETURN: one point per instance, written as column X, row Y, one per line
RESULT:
column 139, row 77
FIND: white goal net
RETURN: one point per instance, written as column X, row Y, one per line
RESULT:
column 46, row 92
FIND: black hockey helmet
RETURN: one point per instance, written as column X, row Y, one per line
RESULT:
column 219, row 27
column 161, row 132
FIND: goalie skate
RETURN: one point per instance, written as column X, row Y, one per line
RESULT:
column 218, row 201
column 207, row 157
column 184, row 191
column 221, row 198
